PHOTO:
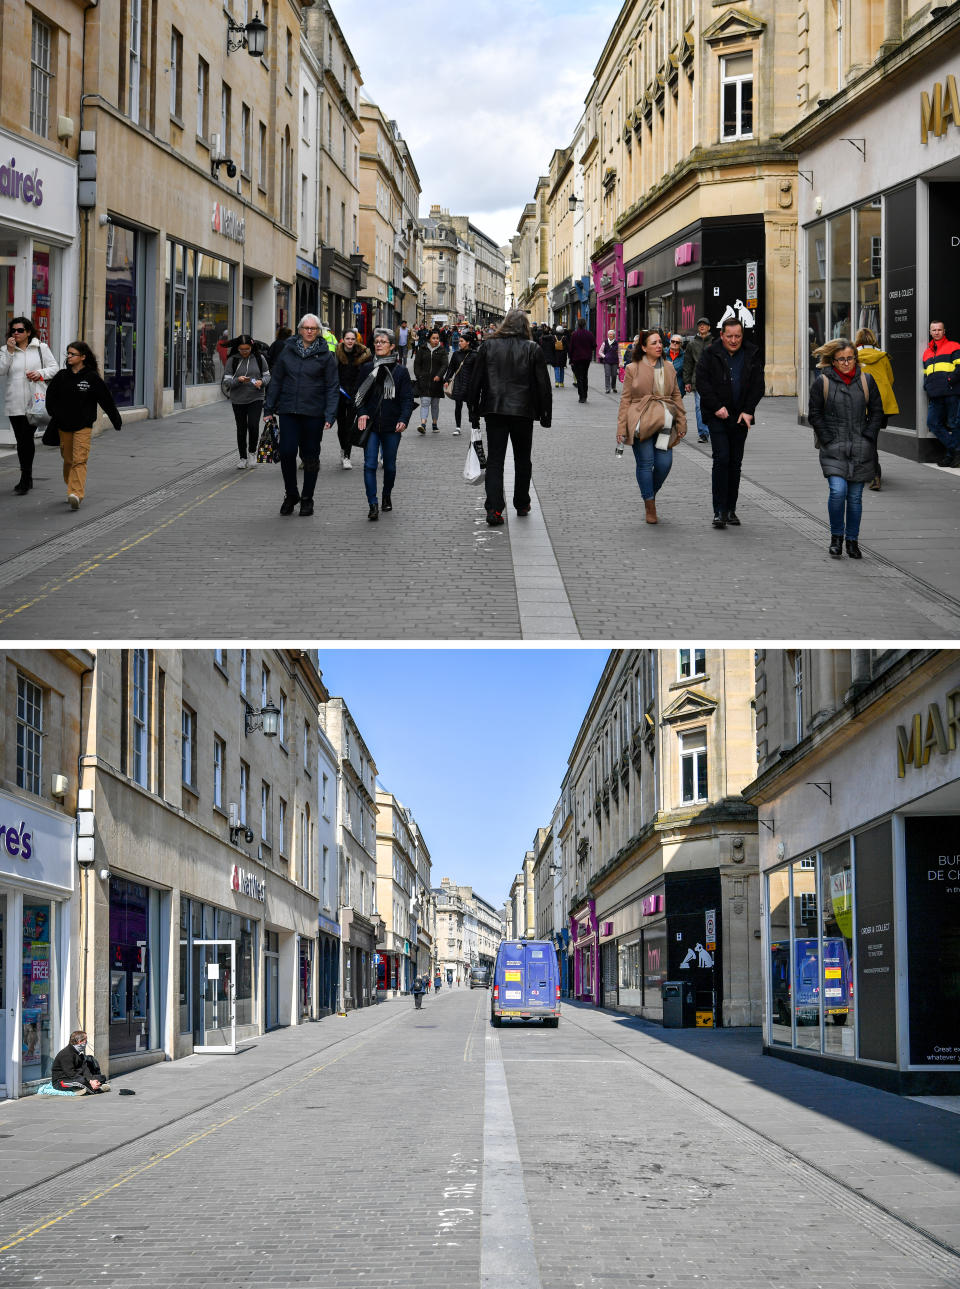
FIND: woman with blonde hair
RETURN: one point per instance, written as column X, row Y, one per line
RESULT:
column 846, row 411
column 877, row 362
column 651, row 416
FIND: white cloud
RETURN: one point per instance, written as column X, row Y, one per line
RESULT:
column 483, row 92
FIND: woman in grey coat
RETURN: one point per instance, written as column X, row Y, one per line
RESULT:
column 846, row 412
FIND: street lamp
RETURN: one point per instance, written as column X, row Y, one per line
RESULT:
column 252, row 38
column 267, row 719
column 573, row 204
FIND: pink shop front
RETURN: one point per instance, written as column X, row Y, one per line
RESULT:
column 609, row 283
column 586, row 948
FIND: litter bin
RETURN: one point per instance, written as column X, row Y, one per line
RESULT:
column 678, row 1004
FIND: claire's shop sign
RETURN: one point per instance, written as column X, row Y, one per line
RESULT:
column 25, row 186
column 16, row 841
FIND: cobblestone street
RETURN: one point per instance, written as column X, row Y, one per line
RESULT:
column 174, row 541
column 621, row 1154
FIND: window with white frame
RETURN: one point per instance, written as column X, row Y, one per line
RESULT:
column 140, row 716
column 304, row 852
column 188, row 746
column 220, row 658
column 324, row 804
column 736, row 96
column 262, row 157
column 244, row 791
column 176, row 73
column 691, row 662
column 244, row 668
column 306, row 746
column 219, row 760
column 29, row 735
column 324, row 875
column 133, row 78
column 305, row 115
column 203, row 96
column 264, row 685
column 282, row 719
column 245, row 140
column 265, row 811
column 40, row 77
column 282, row 826
column 693, row 765
column 225, row 120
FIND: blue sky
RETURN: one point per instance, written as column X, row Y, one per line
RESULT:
column 483, row 92
column 474, row 741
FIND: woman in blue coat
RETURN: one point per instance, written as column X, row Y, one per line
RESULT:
column 303, row 392
column 384, row 404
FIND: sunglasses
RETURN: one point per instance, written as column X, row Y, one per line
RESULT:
column 18, row 331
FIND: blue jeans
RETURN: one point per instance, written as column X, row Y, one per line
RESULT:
column 703, row 430
column 653, row 466
column 846, row 499
column 388, row 444
column 303, row 433
column 943, row 420
column 558, row 374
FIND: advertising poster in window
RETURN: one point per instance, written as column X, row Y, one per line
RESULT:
column 654, row 964
column 933, row 939
column 876, row 974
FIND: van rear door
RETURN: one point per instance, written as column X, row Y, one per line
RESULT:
column 536, row 977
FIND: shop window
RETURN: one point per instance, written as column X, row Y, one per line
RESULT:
column 219, row 760
column 244, row 792
column 806, row 956
column 139, row 716
column 39, row 1020
column 188, row 746
column 691, row 662
column 869, row 265
column 29, row 735
column 840, row 272
column 134, row 927
column 40, row 77
column 183, row 1002
column 693, row 765
column 839, row 1013
column 214, row 295
column 203, row 97
column 736, row 96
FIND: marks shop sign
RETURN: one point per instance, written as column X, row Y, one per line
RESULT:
column 939, row 109
column 937, row 732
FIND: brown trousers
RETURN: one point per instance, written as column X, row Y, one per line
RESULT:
column 75, row 450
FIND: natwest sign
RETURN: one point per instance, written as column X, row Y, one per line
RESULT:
column 229, row 223
column 248, row 884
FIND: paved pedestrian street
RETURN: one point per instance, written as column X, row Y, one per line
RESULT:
column 173, row 541
column 427, row 1150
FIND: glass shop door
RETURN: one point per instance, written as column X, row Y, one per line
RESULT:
column 214, row 996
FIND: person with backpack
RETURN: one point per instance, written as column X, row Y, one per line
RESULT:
column 554, row 346
column 246, row 376
column 846, row 412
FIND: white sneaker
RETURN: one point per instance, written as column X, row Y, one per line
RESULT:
column 242, row 463
column 347, row 463
column 251, row 462
column 74, row 501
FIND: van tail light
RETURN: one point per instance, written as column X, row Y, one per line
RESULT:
column 496, row 991
column 558, row 991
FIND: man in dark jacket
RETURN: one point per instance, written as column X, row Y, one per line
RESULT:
column 304, row 393
column 730, row 383
column 510, row 388
column 581, row 348
column 941, row 384
column 74, row 1071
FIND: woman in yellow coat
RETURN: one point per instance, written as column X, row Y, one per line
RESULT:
column 877, row 363
column 651, row 416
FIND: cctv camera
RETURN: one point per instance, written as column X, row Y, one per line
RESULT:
column 248, row 835
column 231, row 170
column 104, row 874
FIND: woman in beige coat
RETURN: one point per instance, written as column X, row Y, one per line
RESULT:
column 651, row 416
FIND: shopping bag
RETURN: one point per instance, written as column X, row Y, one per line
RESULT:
column 51, row 436
column 37, row 413
column 268, row 449
column 471, row 469
column 476, row 439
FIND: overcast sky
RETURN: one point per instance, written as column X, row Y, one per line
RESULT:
column 483, row 91
column 474, row 741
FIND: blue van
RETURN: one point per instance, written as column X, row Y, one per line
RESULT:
column 526, row 982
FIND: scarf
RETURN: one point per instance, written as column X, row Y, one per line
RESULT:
column 379, row 364
column 307, row 351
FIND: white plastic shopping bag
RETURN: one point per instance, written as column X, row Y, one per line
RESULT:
column 471, row 469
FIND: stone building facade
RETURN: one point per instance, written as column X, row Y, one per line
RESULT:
column 659, row 873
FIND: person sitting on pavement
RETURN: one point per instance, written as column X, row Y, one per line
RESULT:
column 876, row 362
column 845, row 411
column 74, row 1070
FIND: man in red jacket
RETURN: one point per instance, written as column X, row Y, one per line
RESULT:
column 941, row 384
column 581, row 349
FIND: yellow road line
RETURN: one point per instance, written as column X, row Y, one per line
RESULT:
column 99, row 560
column 18, row 1237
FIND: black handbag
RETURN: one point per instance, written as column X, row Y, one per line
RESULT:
column 51, row 436
column 359, row 437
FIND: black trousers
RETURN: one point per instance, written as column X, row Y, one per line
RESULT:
column 345, row 419
column 581, row 370
column 26, row 447
column 727, row 441
column 247, row 417
column 518, row 431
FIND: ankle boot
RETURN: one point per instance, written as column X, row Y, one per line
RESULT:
column 853, row 550
column 651, row 510
column 836, row 547
column 23, row 486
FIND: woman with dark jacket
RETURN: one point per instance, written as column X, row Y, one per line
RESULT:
column 74, row 1070
column 73, row 396
column 554, row 346
column 384, row 402
column 458, row 371
column 245, row 376
column 846, row 412
column 510, row 388
column 428, row 367
column 304, row 392
column 351, row 356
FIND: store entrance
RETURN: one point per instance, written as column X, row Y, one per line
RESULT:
column 215, row 996
column 121, row 314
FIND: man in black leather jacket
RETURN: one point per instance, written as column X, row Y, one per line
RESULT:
column 729, row 379
column 510, row 389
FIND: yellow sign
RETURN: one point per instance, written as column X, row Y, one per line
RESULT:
column 937, row 113
column 704, row 1020
column 511, row 975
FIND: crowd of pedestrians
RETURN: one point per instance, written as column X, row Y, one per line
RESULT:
column 307, row 381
